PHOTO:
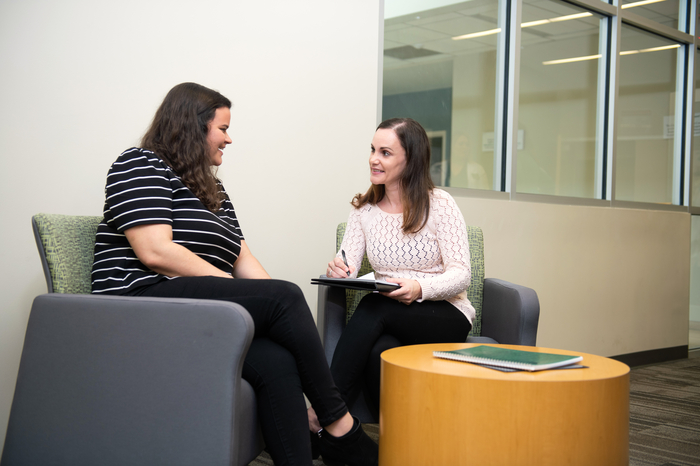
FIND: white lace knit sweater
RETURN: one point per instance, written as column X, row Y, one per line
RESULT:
column 437, row 256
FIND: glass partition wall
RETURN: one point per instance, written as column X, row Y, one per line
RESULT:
column 440, row 68
column 589, row 102
column 561, row 75
column 646, row 117
column 664, row 12
column 583, row 101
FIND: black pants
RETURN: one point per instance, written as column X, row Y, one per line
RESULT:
column 285, row 359
column 380, row 323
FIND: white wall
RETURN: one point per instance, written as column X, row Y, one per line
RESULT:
column 81, row 80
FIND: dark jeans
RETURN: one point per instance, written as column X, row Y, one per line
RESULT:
column 380, row 323
column 285, row 360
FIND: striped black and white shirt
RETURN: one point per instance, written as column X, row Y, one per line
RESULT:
column 142, row 189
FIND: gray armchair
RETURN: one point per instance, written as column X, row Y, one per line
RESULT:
column 505, row 313
column 127, row 380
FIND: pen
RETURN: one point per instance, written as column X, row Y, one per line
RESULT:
column 342, row 251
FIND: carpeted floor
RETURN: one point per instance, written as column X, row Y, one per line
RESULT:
column 664, row 415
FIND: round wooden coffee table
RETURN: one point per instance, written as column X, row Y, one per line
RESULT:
column 448, row 413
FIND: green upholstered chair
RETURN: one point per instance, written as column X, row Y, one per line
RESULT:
column 505, row 313
column 115, row 380
column 66, row 247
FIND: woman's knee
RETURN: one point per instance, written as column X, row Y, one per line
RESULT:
column 283, row 287
column 287, row 292
column 269, row 363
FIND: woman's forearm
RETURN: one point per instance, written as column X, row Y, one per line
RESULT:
column 445, row 285
column 247, row 266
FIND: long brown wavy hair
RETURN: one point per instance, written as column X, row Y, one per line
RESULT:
column 416, row 184
column 178, row 135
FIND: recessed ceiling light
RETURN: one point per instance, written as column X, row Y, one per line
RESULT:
column 643, row 2
column 540, row 22
column 478, row 34
column 571, row 60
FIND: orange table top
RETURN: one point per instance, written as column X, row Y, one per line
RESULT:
column 420, row 358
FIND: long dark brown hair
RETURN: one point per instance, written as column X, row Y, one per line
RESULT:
column 416, row 184
column 178, row 135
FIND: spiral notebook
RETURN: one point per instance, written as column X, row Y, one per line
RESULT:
column 509, row 358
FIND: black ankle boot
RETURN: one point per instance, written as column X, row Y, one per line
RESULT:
column 352, row 449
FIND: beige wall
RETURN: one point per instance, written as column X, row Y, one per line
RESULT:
column 81, row 79
column 610, row 281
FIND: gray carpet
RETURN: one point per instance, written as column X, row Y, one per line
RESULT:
column 664, row 415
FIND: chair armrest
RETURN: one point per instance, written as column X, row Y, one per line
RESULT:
column 510, row 314
column 129, row 380
column 330, row 317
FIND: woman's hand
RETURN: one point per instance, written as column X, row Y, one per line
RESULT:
column 410, row 290
column 337, row 269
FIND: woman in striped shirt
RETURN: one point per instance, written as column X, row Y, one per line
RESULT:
column 170, row 230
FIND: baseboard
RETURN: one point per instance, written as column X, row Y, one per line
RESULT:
column 656, row 356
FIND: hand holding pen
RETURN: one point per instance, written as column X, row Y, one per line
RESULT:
column 336, row 265
column 345, row 261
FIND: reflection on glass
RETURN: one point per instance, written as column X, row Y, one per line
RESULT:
column 695, row 195
column 645, row 121
column 559, row 67
column 440, row 69
column 662, row 11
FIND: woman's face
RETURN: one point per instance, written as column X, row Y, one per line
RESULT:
column 387, row 159
column 217, row 135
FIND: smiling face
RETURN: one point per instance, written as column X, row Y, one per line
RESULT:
column 387, row 159
column 217, row 136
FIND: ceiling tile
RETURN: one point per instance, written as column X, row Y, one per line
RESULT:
column 413, row 35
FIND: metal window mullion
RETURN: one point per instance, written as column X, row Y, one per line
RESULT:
column 683, row 115
column 613, row 92
column 601, row 189
column 691, row 13
column 512, row 103
column 679, row 193
column 507, row 79
column 596, row 6
column 656, row 28
column 689, row 125
column 500, row 123
column 684, row 19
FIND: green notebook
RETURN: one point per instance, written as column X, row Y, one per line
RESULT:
column 512, row 359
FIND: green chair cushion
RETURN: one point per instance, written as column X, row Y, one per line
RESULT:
column 69, row 247
column 475, row 291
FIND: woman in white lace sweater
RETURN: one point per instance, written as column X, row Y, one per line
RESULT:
column 414, row 235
